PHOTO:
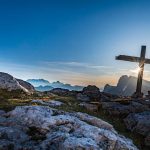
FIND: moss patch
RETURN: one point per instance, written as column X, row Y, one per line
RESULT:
column 10, row 104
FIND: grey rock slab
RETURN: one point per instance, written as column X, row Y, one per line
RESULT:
column 61, row 131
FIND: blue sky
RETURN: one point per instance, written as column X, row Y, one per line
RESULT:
column 74, row 41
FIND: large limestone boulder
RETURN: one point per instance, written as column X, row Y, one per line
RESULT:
column 115, row 108
column 58, row 131
column 11, row 135
column 94, row 121
column 51, row 103
column 10, row 83
column 139, row 123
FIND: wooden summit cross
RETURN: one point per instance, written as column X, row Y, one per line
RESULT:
column 142, row 60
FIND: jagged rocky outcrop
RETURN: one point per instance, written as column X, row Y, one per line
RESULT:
column 92, row 92
column 126, row 86
column 62, row 92
column 139, row 123
column 26, row 85
column 41, row 127
column 89, row 93
column 10, row 83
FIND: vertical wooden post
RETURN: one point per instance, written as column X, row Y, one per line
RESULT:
column 140, row 74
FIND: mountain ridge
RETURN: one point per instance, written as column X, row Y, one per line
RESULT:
column 38, row 82
column 40, row 85
column 126, row 86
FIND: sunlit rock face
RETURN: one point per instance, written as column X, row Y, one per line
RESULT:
column 26, row 85
column 126, row 86
column 10, row 83
column 40, row 127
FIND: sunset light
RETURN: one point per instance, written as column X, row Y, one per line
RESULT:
column 136, row 70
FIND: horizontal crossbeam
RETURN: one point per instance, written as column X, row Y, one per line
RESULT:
column 147, row 61
column 128, row 58
column 131, row 59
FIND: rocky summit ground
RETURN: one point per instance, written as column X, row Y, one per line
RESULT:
column 42, row 127
column 74, row 120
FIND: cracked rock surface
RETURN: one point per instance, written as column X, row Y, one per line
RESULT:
column 41, row 128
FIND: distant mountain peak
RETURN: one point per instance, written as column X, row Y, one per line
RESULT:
column 38, row 82
column 126, row 86
column 44, row 85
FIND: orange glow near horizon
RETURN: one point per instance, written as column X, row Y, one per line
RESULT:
column 100, row 81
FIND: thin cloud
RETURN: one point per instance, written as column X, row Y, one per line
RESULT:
column 68, row 72
column 76, row 64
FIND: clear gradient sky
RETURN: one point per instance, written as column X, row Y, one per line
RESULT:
column 74, row 41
